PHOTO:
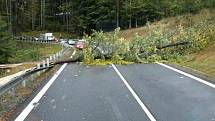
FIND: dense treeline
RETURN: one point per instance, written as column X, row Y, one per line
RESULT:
column 81, row 16
column 78, row 16
column 6, row 43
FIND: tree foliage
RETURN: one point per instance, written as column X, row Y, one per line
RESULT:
column 79, row 16
column 6, row 43
column 155, row 45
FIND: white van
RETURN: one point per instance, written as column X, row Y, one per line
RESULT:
column 47, row 37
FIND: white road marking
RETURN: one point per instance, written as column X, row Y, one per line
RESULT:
column 36, row 99
column 148, row 113
column 188, row 75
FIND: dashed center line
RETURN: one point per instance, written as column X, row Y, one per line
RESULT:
column 143, row 106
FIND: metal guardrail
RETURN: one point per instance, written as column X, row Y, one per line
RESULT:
column 48, row 63
column 32, row 39
column 20, row 88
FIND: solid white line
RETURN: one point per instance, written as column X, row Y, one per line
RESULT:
column 148, row 113
column 36, row 99
column 188, row 75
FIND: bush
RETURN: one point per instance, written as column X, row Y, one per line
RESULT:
column 99, row 43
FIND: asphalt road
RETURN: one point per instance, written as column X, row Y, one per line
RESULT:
column 138, row 92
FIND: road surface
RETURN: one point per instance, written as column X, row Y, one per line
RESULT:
column 137, row 92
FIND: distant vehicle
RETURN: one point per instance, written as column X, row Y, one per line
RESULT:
column 72, row 41
column 80, row 45
column 63, row 40
column 47, row 37
column 82, row 40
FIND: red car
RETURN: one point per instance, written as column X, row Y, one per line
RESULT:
column 79, row 45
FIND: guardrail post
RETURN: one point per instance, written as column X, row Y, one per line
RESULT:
column 38, row 67
column 58, row 54
column 47, row 60
column 12, row 91
column 24, row 83
column 32, row 77
column 44, row 65
column 50, row 58
column 61, row 52
column 54, row 57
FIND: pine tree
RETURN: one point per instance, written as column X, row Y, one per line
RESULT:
column 7, row 44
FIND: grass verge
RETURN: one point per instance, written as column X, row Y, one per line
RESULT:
column 28, row 54
column 202, row 61
column 27, row 51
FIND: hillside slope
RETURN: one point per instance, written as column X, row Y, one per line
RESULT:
column 169, row 24
column 203, row 59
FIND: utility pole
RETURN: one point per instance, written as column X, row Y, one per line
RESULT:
column 41, row 13
column 44, row 14
column 117, row 13
column 10, row 16
column 7, row 11
column 67, row 16
column 130, row 14
column 32, row 14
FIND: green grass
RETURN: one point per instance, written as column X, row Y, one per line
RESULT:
column 203, row 61
column 27, row 52
column 169, row 24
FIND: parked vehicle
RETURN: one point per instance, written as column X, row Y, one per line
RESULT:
column 82, row 40
column 80, row 45
column 63, row 40
column 72, row 41
column 47, row 37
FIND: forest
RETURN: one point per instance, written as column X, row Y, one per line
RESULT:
column 82, row 16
